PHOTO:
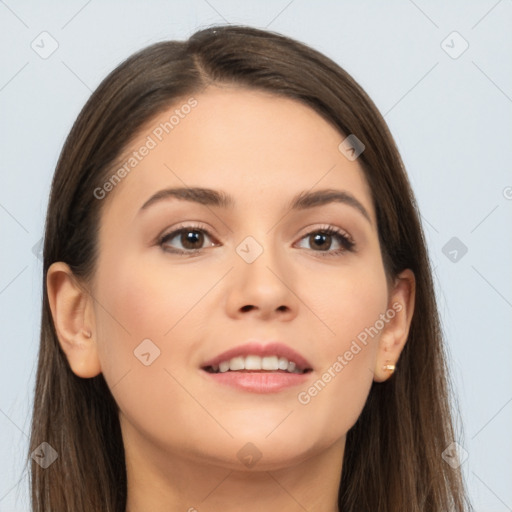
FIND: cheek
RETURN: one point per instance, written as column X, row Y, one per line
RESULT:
column 347, row 302
column 148, row 296
column 347, row 337
column 137, row 305
column 147, row 314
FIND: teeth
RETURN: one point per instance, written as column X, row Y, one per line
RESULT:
column 224, row 366
column 283, row 363
column 253, row 363
column 269, row 363
column 237, row 363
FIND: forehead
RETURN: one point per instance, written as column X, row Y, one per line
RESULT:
column 258, row 147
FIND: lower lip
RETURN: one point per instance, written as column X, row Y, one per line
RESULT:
column 259, row 382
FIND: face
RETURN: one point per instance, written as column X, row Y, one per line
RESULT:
column 182, row 279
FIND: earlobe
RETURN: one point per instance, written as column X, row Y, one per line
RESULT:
column 396, row 331
column 73, row 318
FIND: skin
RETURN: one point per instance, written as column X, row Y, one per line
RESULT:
column 181, row 432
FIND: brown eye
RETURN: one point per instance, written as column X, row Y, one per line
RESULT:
column 186, row 239
column 191, row 239
column 322, row 241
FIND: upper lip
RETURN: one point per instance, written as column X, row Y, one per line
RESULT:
column 254, row 348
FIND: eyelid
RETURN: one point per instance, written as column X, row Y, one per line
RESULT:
column 327, row 227
column 175, row 231
column 193, row 226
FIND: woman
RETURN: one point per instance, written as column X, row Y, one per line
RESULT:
column 238, row 304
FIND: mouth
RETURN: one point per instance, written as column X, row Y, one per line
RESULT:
column 259, row 368
column 254, row 363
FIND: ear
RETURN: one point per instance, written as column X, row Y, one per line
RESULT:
column 396, row 330
column 73, row 317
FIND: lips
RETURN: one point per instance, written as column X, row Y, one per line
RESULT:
column 254, row 348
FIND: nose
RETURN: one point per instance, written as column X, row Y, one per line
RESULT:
column 263, row 288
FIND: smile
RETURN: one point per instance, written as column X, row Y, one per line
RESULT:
column 257, row 363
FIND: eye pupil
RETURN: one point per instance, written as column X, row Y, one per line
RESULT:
column 191, row 237
column 319, row 237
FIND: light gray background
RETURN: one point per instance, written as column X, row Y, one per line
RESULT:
column 451, row 118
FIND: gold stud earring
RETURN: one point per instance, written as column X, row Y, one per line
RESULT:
column 389, row 367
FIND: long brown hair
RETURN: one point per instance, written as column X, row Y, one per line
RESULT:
column 393, row 457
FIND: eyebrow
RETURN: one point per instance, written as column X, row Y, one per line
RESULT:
column 219, row 199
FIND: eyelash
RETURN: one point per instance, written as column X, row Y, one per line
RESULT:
column 347, row 243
